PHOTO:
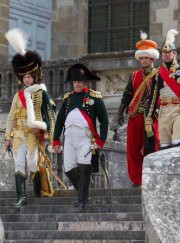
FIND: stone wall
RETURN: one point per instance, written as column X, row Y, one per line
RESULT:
column 69, row 29
column 70, row 25
column 7, row 168
column 164, row 15
column 4, row 24
column 161, row 196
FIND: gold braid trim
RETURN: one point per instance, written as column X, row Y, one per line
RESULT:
column 44, row 164
column 52, row 120
column 37, row 104
column 139, row 93
column 30, row 71
column 148, row 118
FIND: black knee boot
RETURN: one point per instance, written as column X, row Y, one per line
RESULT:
column 20, row 190
column 73, row 176
column 36, row 183
column 83, row 190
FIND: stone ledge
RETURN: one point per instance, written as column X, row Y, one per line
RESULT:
column 161, row 196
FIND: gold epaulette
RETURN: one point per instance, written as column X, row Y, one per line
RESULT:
column 66, row 96
column 95, row 94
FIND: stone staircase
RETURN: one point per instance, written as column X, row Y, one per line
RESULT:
column 109, row 217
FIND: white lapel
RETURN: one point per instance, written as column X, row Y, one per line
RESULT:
column 31, row 120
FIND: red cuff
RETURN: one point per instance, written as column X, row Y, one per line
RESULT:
column 57, row 142
column 100, row 142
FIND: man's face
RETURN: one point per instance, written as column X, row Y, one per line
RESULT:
column 78, row 85
column 168, row 56
column 146, row 61
column 28, row 80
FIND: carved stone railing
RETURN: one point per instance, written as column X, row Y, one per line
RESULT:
column 161, row 196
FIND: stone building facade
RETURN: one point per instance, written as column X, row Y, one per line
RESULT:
column 70, row 44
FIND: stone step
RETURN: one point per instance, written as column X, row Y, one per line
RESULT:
column 72, row 193
column 135, row 199
column 74, row 241
column 94, row 235
column 101, row 226
column 61, row 217
column 90, row 208
column 31, row 226
column 110, row 217
column 77, row 226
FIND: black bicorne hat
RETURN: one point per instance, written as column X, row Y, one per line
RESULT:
column 30, row 63
column 79, row 72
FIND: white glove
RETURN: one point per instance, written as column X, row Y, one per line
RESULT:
column 93, row 146
column 51, row 150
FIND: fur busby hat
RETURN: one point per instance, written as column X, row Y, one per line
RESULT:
column 79, row 72
column 169, row 44
column 146, row 48
column 24, row 61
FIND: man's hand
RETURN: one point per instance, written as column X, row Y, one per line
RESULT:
column 120, row 117
column 95, row 146
column 57, row 149
column 7, row 144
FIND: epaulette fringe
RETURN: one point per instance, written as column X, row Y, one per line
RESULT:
column 66, row 96
column 95, row 94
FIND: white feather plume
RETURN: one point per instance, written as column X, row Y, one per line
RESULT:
column 143, row 35
column 170, row 38
column 17, row 39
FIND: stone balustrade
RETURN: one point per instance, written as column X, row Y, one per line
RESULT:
column 161, row 196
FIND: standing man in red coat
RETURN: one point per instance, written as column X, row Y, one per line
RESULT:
column 140, row 139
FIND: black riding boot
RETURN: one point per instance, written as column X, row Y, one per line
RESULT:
column 36, row 183
column 20, row 190
column 73, row 176
column 83, row 190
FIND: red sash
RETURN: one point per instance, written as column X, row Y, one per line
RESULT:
column 171, row 82
column 93, row 129
column 22, row 98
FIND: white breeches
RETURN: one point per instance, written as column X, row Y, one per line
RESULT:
column 77, row 144
column 25, row 150
column 169, row 125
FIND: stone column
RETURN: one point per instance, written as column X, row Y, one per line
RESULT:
column 4, row 25
column 69, row 28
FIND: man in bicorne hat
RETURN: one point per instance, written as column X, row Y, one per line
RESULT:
column 167, row 87
column 140, row 139
column 32, row 115
column 77, row 116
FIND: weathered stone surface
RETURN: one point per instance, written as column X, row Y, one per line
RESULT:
column 41, row 234
column 1, row 230
column 7, row 168
column 161, row 196
column 100, row 226
column 130, row 199
column 47, row 221
column 99, row 208
column 74, row 241
column 61, row 217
